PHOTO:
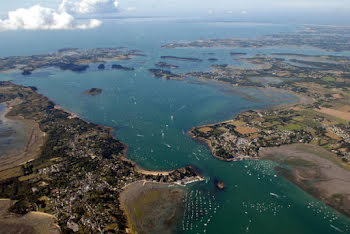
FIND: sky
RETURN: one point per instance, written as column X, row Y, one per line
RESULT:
column 181, row 7
column 64, row 14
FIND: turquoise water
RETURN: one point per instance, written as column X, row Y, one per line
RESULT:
column 152, row 117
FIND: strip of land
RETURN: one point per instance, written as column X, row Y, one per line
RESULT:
column 327, row 37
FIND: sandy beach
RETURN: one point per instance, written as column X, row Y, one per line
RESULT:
column 141, row 170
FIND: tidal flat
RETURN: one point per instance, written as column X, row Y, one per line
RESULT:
column 152, row 207
column 315, row 170
column 23, row 142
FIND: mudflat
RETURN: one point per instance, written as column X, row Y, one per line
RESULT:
column 31, row 223
column 152, row 207
column 315, row 170
column 31, row 149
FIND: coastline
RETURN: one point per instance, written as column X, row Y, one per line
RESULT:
column 310, row 168
column 301, row 100
column 308, row 163
column 111, row 161
column 211, row 148
column 124, row 157
column 31, row 150
column 32, row 222
column 141, row 170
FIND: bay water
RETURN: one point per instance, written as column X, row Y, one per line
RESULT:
column 152, row 116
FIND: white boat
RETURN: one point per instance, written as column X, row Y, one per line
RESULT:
column 275, row 195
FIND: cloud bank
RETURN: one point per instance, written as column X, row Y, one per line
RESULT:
column 87, row 6
column 42, row 18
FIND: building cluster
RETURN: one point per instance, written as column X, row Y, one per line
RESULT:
column 80, row 171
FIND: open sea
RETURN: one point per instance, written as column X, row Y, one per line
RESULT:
column 152, row 116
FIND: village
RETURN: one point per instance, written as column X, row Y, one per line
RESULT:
column 80, row 171
column 246, row 134
column 320, row 117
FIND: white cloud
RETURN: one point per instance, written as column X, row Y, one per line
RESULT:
column 131, row 9
column 87, row 6
column 94, row 23
column 41, row 18
column 116, row 4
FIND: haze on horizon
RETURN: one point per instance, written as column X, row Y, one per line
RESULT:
column 64, row 14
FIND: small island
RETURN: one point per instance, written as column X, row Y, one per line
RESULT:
column 72, row 67
column 220, row 184
column 101, row 66
column 182, row 58
column 213, row 59
column 120, row 67
column 165, row 65
column 72, row 59
column 165, row 74
column 93, row 91
column 237, row 54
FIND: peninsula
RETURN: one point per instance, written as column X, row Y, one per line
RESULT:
column 79, row 171
column 315, row 130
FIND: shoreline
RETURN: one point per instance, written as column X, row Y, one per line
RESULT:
column 207, row 143
column 331, row 190
column 309, row 164
column 31, row 150
column 32, row 222
column 113, row 160
column 124, row 152
column 142, row 171
column 301, row 100
column 309, row 168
